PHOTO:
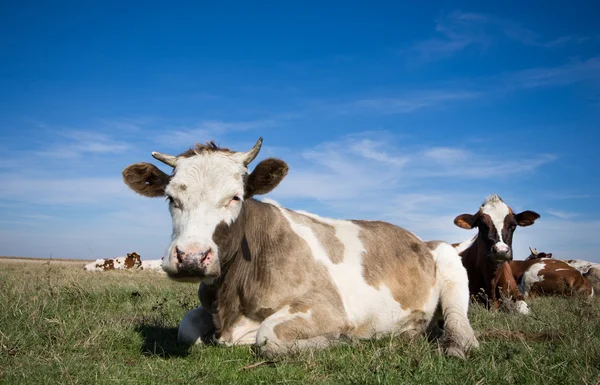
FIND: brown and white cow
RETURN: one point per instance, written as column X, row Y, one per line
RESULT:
column 131, row 261
column 548, row 276
column 590, row 270
column 488, row 251
column 287, row 280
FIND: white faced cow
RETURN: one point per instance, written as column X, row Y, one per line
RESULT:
column 131, row 261
column 288, row 280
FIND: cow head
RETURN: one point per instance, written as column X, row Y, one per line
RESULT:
column 206, row 194
column 537, row 255
column 496, row 223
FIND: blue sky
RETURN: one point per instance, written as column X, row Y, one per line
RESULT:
column 407, row 113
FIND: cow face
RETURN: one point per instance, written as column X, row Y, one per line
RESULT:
column 496, row 223
column 205, row 194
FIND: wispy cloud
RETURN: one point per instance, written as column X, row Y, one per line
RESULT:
column 402, row 103
column 185, row 136
column 570, row 73
column 457, row 31
column 350, row 168
column 79, row 143
column 562, row 214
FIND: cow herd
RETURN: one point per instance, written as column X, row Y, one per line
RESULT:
column 287, row 280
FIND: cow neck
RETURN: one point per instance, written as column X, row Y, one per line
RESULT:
column 243, row 267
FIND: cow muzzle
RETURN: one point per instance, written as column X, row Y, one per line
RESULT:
column 193, row 262
column 501, row 252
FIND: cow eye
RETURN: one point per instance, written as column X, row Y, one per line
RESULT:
column 171, row 200
column 236, row 198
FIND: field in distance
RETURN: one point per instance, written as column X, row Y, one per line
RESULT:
column 61, row 324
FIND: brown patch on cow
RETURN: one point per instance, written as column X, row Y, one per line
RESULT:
column 109, row 264
column 146, row 179
column 325, row 234
column 398, row 260
column 294, row 329
column 200, row 148
column 132, row 260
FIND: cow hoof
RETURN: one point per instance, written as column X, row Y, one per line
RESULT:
column 455, row 351
column 523, row 308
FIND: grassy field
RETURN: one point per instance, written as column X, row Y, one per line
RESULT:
column 60, row 324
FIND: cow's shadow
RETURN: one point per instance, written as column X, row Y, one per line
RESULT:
column 161, row 341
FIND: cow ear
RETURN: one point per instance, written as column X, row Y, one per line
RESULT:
column 465, row 221
column 549, row 255
column 526, row 218
column 265, row 177
column 146, row 179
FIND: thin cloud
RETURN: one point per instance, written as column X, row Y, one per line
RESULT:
column 458, row 31
column 403, row 104
column 80, row 143
column 562, row 214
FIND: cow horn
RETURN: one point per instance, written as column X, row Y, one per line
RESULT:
column 166, row 159
column 533, row 251
column 249, row 156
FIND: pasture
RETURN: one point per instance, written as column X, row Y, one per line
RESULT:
column 60, row 324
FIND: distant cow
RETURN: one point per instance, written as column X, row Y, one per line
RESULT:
column 131, row 261
column 548, row 276
column 485, row 253
column 287, row 280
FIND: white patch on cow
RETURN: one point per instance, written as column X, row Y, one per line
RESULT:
column 465, row 244
column 530, row 277
column 243, row 332
column 522, row 307
column 497, row 211
column 152, row 264
column 92, row 266
column 363, row 303
column 211, row 180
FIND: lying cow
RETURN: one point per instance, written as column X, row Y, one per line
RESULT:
column 485, row 256
column 287, row 280
column 131, row 261
column 538, row 276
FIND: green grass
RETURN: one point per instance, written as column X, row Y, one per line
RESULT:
column 60, row 324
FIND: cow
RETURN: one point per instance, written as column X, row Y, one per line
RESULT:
column 485, row 255
column 131, row 261
column 549, row 276
column 573, row 284
column 285, row 280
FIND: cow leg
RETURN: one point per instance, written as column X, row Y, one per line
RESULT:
column 505, row 284
column 196, row 327
column 287, row 331
column 458, row 335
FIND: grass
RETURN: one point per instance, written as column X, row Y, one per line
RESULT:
column 60, row 324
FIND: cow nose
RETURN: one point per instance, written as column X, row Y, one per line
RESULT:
column 180, row 254
column 193, row 253
column 502, row 249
